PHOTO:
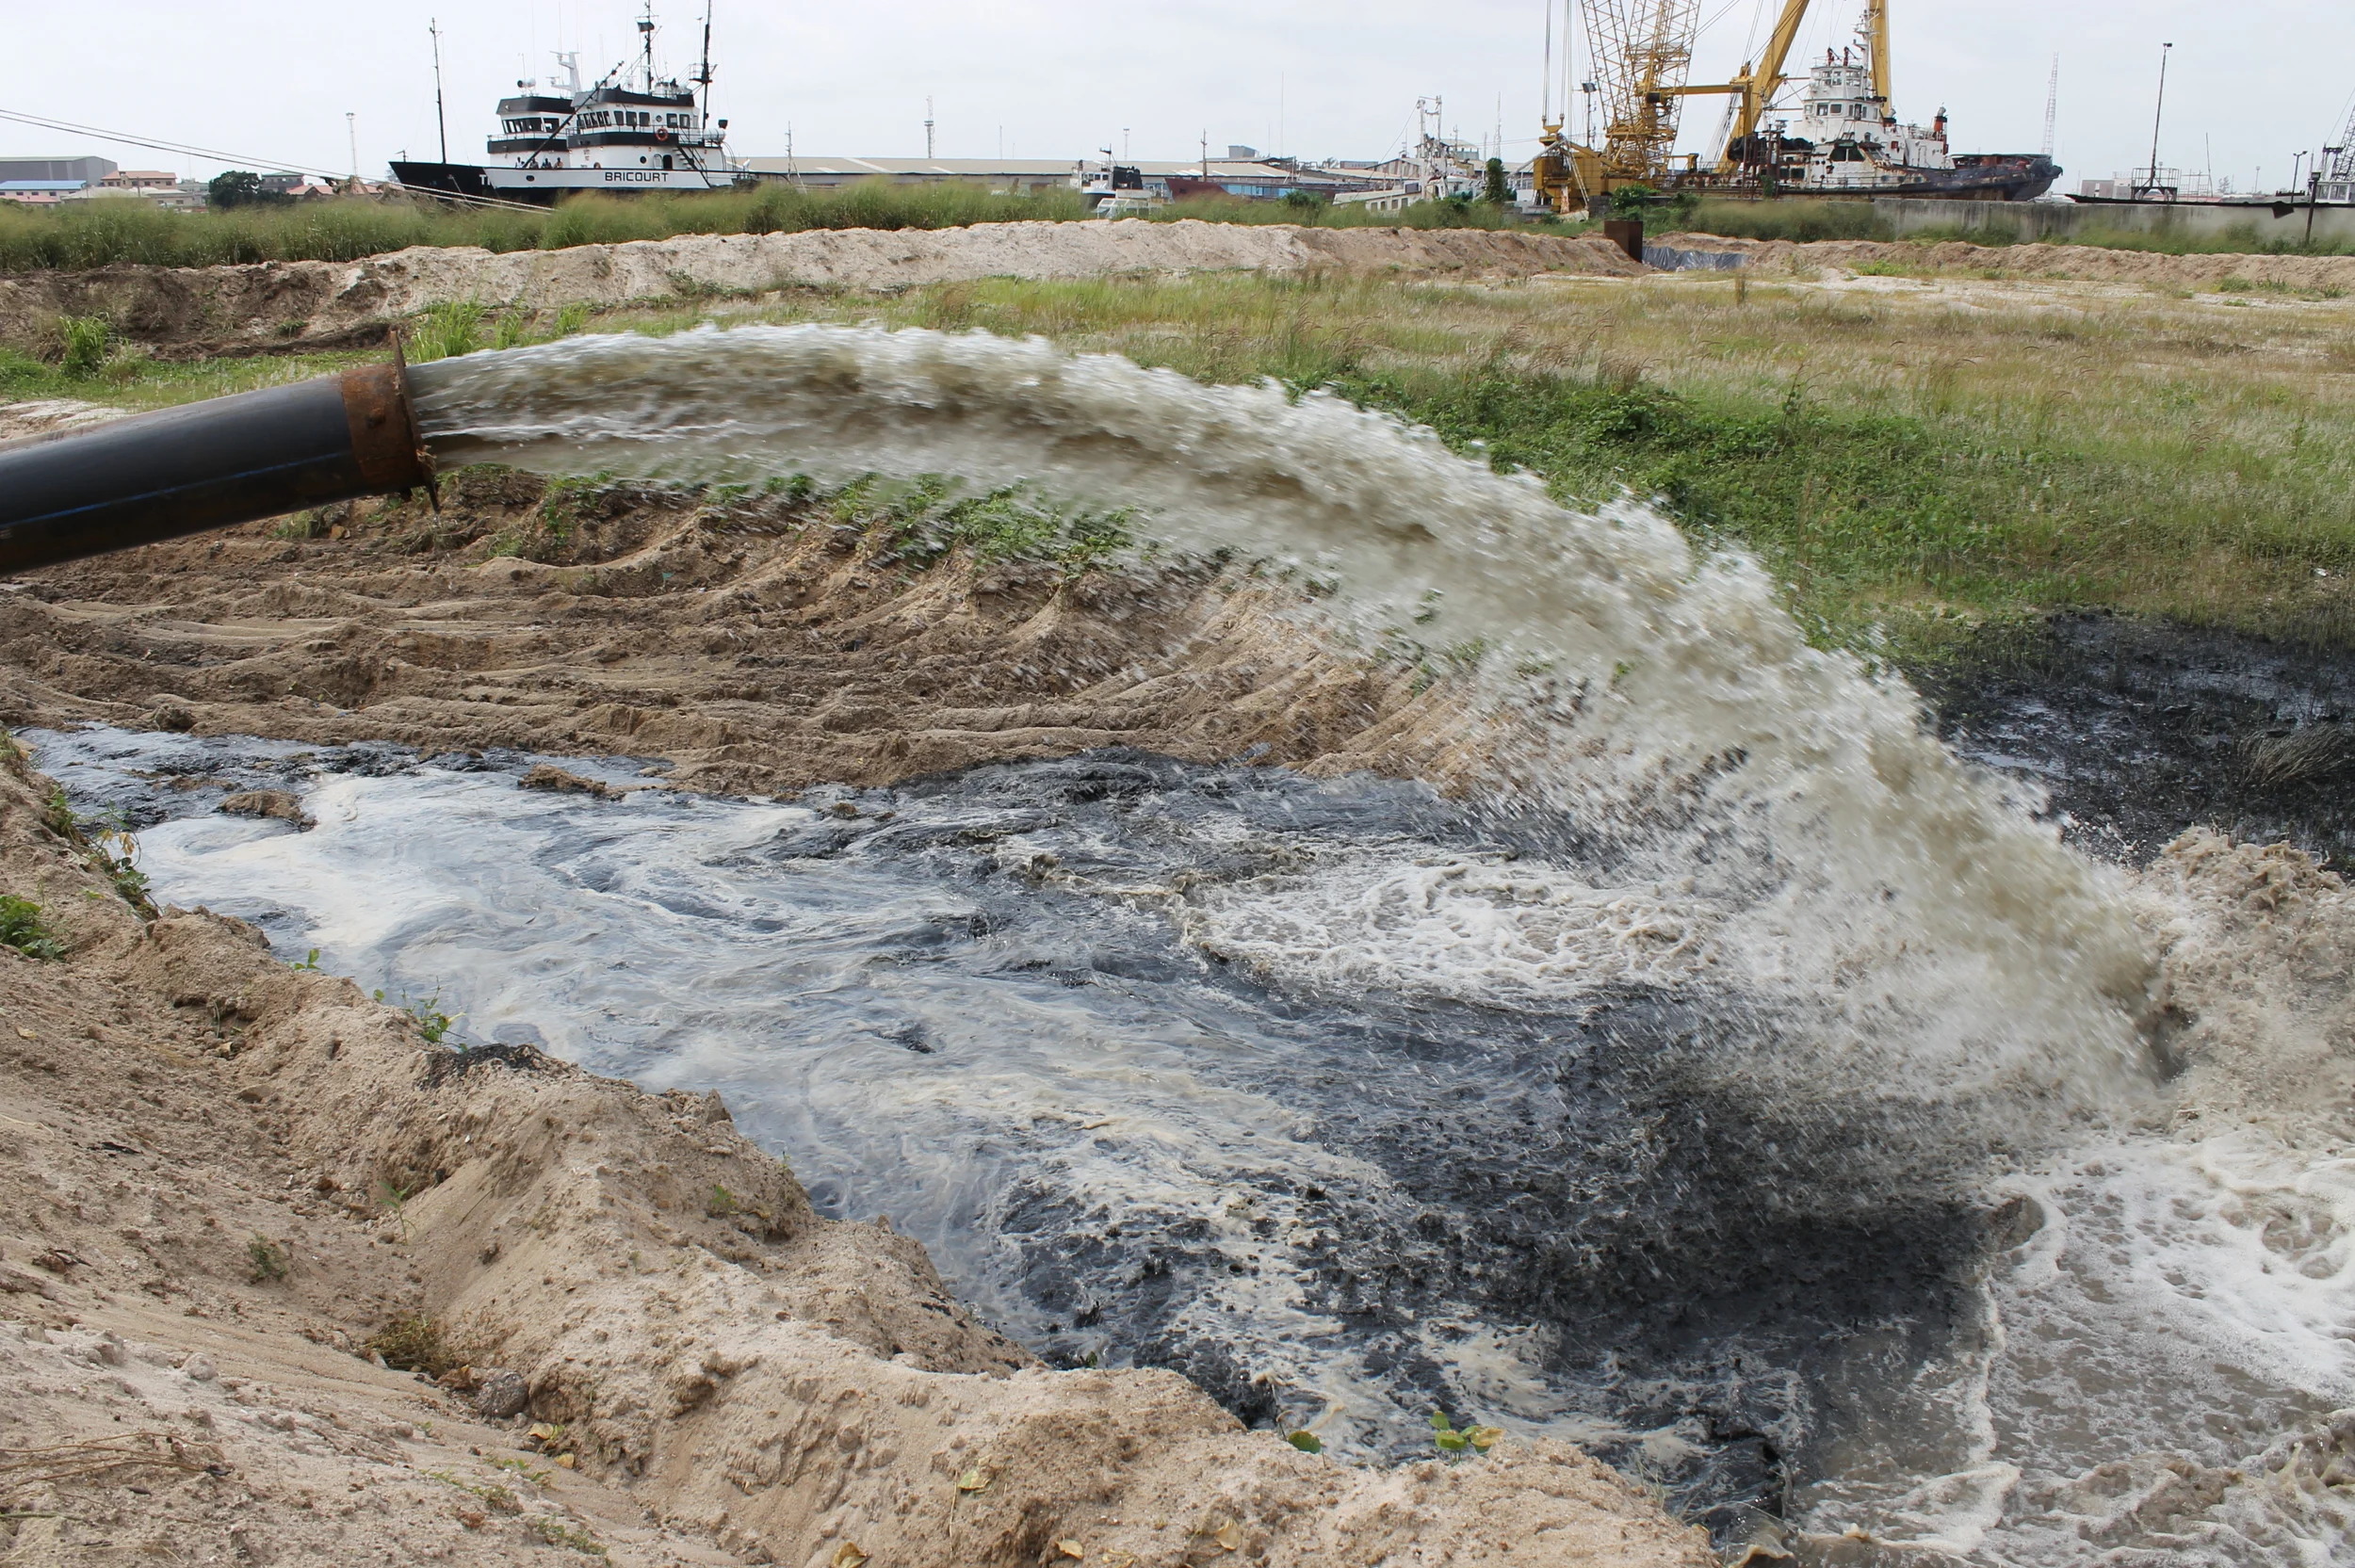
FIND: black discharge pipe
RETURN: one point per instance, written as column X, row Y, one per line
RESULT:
column 209, row 465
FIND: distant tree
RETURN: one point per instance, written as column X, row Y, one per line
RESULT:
column 1497, row 192
column 1306, row 200
column 1632, row 201
column 237, row 187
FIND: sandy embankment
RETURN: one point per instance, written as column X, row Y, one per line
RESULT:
column 756, row 647
column 274, row 306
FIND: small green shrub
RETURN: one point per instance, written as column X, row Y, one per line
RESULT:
column 82, row 348
column 557, row 1534
column 412, row 1345
column 1462, row 1442
column 396, row 1199
column 23, row 929
column 267, row 1261
column 431, row 1020
column 114, row 853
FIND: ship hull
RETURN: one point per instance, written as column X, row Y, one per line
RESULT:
column 1975, row 177
column 546, row 186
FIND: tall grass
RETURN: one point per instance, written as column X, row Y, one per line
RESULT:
column 1793, row 218
column 83, row 235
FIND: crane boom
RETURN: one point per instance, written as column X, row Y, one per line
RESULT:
column 1641, row 50
column 1760, row 85
column 1876, row 35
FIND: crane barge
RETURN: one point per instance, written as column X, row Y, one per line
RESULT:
column 1846, row 141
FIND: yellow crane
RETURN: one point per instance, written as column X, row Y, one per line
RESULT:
column 1641, row 50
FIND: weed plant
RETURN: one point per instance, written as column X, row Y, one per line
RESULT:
column 412, row 1345
column 265, row 1260
column 23, row 929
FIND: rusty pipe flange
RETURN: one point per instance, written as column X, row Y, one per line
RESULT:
column 384, row 421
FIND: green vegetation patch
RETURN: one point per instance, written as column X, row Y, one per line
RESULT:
column 23, row 929
column 1862, row 513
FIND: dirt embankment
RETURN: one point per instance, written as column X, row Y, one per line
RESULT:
column 758, row 645
column 219, row 1176
column 280, row 305
column 2094, row 263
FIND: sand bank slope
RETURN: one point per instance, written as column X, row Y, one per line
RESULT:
column 758, row 645
column 278, row 305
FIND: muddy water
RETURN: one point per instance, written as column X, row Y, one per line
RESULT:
column 1078, row 1028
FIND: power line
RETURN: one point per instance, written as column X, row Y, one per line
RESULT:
column 215, row 154
column 211, row 153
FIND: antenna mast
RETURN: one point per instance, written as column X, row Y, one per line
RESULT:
column 2051, row 102
column 646, row 40
column 703, row 74
column 434, row 27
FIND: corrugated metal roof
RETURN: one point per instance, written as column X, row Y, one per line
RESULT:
column 1029, row 168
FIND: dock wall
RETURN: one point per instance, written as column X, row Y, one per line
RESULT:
column 2052, row 220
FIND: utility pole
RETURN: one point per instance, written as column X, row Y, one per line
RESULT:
column 928, row 130
column 351, row 133
column 434, row 27
column 2156, row 114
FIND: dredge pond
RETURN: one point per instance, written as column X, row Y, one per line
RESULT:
column 1350, row 1104
column 1743, row 1086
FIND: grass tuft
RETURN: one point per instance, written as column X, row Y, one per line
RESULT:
column 412, row 1345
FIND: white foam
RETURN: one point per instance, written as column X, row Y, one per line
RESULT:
column 1677, row 707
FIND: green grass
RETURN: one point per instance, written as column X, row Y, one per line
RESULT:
column 82, row 234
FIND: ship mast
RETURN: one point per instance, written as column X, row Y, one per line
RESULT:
column 1876, row 43
column 703, row 74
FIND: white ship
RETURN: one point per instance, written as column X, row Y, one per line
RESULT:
column 634, row 130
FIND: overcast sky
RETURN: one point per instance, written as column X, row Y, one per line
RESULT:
column 272, row 80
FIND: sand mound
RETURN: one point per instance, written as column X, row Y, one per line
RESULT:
column 279, row 305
